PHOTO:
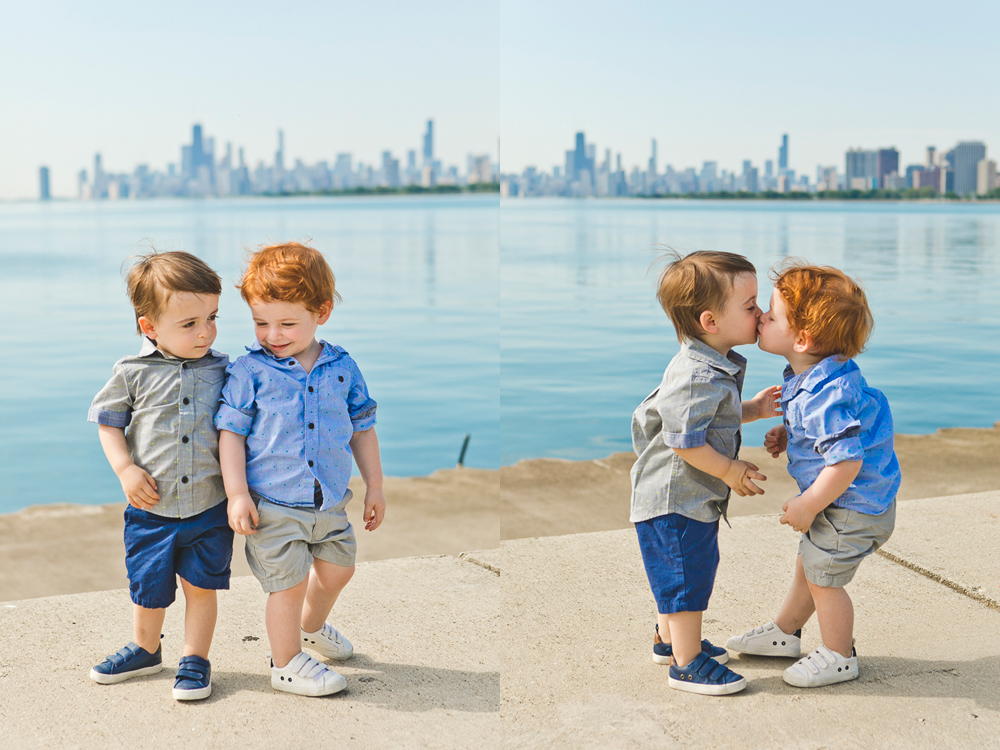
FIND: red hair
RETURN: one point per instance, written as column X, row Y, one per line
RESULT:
column 828, row 304
column 291, row 272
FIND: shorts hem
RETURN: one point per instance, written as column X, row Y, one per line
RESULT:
column 274, row 585
column 216, row 584
column 829, row 581
column 675, row 607
column 344, row 561
column 150, row 603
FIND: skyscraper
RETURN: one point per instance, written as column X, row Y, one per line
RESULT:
column 886, row 163
column 859, row 172
column 968, row 154
column 429, row 143
column 783, row 154
column 43, row 184
column 652, row 161
column 279, row 156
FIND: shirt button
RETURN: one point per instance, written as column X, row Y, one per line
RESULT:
column 340, row 378
column 185, row 439
column 311, row 426
column 187, row 401
column 310, row 389
column 184, row 480
column 310, row 463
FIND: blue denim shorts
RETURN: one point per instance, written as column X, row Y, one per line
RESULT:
column 199, row 549
column 681, row 556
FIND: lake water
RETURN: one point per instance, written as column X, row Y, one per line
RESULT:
column 530, row 324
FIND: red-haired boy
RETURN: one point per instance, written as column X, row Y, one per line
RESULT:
column 838, row 434
column 294, row 410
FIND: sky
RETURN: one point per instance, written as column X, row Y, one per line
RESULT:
column 710, row 81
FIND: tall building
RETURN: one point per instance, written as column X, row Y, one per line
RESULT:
column 429, row 143
column 43, row 184
column 986, row 176
column 968, row 154
column 886, row 163
column 652, row 161
column 783, row 154
column 859, row 172
column 279, row 156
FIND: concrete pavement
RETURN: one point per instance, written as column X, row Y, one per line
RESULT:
column 553, row 652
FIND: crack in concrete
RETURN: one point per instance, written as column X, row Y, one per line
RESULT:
column 485, row 565
column 938, row 578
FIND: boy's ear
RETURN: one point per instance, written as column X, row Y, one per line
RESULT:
column 147, row 327
column 707, row 322
column 803, row 342
column 324, row 312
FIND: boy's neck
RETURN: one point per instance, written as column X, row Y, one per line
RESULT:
column 717, row 342
column 800, row 362
column 307, row 359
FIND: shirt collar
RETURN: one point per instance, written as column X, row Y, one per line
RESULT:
column 149, row 349
column 813, row 379
column 733, row 363
column 329, row 353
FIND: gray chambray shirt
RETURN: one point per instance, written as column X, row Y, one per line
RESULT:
column 167, row 406
column 699, row 401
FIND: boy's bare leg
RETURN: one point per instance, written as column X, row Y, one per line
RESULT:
column 799, row 605
column 147, row 624
column 284, row 611
column 663, row 627
column 835, row 612
column 200, row 614
column 326, row 581
column 685, row 636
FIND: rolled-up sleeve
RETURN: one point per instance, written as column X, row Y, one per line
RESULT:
column 237, row 408
column 686, row 410
column 360, row 406
column 112, row 406
column 830, row 420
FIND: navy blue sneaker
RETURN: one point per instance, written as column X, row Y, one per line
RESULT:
column 131, row 661
column 704, row 675
column 663, row 653
column 194, row 679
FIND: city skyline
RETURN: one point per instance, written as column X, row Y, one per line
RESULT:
column 718, row 78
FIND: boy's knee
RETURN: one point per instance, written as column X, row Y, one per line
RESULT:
column 331, row 574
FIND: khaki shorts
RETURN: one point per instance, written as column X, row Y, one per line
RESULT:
column 288, row 539
column 838, row 540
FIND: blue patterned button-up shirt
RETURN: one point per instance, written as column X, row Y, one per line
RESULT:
column 298, row 425
column 833, row 415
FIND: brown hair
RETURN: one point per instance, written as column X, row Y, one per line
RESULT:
column 828, row 304
column 291, row 272
column 154, row 277
column 702, row 280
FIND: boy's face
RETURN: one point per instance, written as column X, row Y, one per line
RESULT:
column 737, row 323
column 186, row 327
column 287, row 329
column 776, row 335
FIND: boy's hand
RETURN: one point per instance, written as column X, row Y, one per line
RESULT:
column 767, row 403
column 797, row 514
column 374, row 508
column 139, row 487
column 776, row 441
column 739, row 475
column 243, row 516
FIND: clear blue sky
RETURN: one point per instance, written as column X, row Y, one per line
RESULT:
column 713, row 80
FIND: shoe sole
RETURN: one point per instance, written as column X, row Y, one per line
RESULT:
column 111, row 679
column 784, row 651
column 701, row 689
column 324, row 654
column 795, row 681
column 193, row 695
column 307, row 689
column 657, row 659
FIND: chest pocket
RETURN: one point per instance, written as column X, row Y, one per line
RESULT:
column 208, row 386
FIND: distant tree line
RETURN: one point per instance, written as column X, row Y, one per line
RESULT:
column 909, row 194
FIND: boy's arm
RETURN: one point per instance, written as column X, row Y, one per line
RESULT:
column 735, row 473
column 364, row 446
column 764, row 405
column 138, row 485
column 243, row 517
column 831, row 483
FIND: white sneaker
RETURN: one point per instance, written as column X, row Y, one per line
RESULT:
column 822, row 667
column 767, row 640
column 329, row 642
column 305, row 676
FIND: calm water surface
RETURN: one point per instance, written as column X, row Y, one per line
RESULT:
column 531, row 325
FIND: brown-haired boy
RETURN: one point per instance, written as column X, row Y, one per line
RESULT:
column 686, row 435
column 168, row 465
column 838, row 433
column 294, row 412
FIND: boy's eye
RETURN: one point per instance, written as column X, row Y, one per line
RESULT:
column 213, row 317
column 189, row 324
